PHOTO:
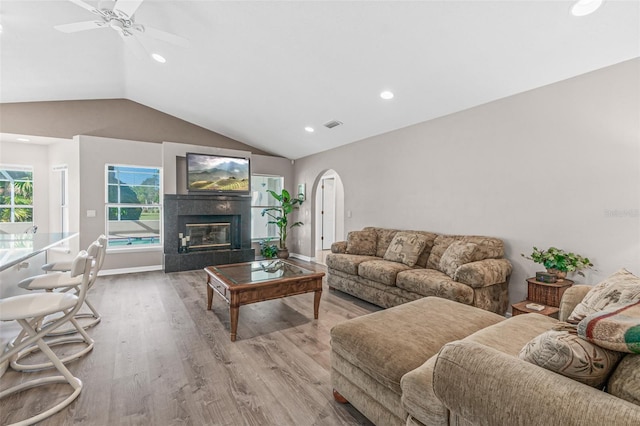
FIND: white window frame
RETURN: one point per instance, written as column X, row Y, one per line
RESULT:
column 12, row 206
column 108, row 205
column 257, row 208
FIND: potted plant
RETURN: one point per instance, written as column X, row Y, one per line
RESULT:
column 559, row 262
column 279, row 217
column 268, row 250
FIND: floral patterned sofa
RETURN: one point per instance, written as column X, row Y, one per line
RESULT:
column 388, row 267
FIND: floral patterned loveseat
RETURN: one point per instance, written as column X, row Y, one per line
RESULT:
column 388, row 267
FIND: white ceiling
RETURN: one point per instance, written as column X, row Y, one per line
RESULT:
column 260, row 71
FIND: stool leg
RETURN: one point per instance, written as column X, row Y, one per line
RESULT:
column 66, row 377
column 83, row 338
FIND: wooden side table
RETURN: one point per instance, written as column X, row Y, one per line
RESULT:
column 547, row 294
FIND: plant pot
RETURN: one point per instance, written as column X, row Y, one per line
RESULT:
column 283, row 253
column 560, row 275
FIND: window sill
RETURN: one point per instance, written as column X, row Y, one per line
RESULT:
column 134, row 249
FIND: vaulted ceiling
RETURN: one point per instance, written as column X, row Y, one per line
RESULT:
column 261, row 71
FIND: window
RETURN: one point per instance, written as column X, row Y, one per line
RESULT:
column 261, row 199
column 16, row 194
column 133, row 206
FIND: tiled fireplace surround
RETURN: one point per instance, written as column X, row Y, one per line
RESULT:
column 182, row 209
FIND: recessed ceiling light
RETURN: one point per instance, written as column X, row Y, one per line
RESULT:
column 386, row 95
column 309, row 129
column 23, row 139
column 158, row 58
column 585, row 7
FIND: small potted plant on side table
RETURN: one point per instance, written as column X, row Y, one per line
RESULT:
column 559, row 262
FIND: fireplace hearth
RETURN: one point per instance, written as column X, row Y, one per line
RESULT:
column 218, row 230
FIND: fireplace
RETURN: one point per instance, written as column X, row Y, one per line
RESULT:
column 208, row 235
column 206, row 230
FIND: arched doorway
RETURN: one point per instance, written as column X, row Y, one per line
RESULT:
column 329, row 213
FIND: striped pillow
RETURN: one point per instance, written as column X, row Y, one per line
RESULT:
column 617, row 328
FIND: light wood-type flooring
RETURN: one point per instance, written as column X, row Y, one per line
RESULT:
column 161, row 358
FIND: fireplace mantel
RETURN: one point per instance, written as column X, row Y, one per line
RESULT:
column 180, row 210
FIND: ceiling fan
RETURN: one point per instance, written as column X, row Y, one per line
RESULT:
column 121, row 19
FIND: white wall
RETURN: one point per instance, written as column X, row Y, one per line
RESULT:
column 65, row 153
column 95, row 153
column 556, row 166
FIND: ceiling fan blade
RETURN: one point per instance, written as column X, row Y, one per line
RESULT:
column 136, row 47
column 85, row 6
column 126, row 8
column 164, row 36
column 79, row 26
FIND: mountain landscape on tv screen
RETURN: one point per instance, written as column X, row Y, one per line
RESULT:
column 218, row 174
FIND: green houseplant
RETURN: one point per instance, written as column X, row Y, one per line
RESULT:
column 279, row 216
column 268, row 250
column 559, row 261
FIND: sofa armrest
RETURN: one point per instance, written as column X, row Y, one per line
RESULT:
column 570, row 299
column 485, row 386
column 483, row 273
column 339, row 247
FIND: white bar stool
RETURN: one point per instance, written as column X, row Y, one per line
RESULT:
column 29, row 310
column 65, row 265
column 65, row 281
column 62, row 280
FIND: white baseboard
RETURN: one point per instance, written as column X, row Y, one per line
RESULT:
column 131, row 270
column 301, row 257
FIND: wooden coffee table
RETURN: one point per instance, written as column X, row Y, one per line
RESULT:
column 244, row 283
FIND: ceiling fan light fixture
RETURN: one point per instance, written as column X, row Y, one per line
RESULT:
column 158, row 58
column 309, row 129
column 585, row 7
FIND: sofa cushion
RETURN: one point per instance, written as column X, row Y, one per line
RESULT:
column 440, row 245
column 620, row 288
column 488, row 248
column 346, row 262
column 617, row 328
column 429, row 282
column 424, row 256
column 387, row 344
column 381, row 271
column 568, row 354
column 511, row 335
column 507, row 336
column 484, row 273
column 405, row 248
column 625, row 380
column 457, row 254
column 385, row 236
column 362, row 243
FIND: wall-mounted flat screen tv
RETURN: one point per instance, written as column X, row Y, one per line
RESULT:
column 218, row 174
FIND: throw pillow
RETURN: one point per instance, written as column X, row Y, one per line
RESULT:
column 566, row 353
column 406, row 248
column 457, row 254
column 619, row 289
column 362, row 243
column 617, row 328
